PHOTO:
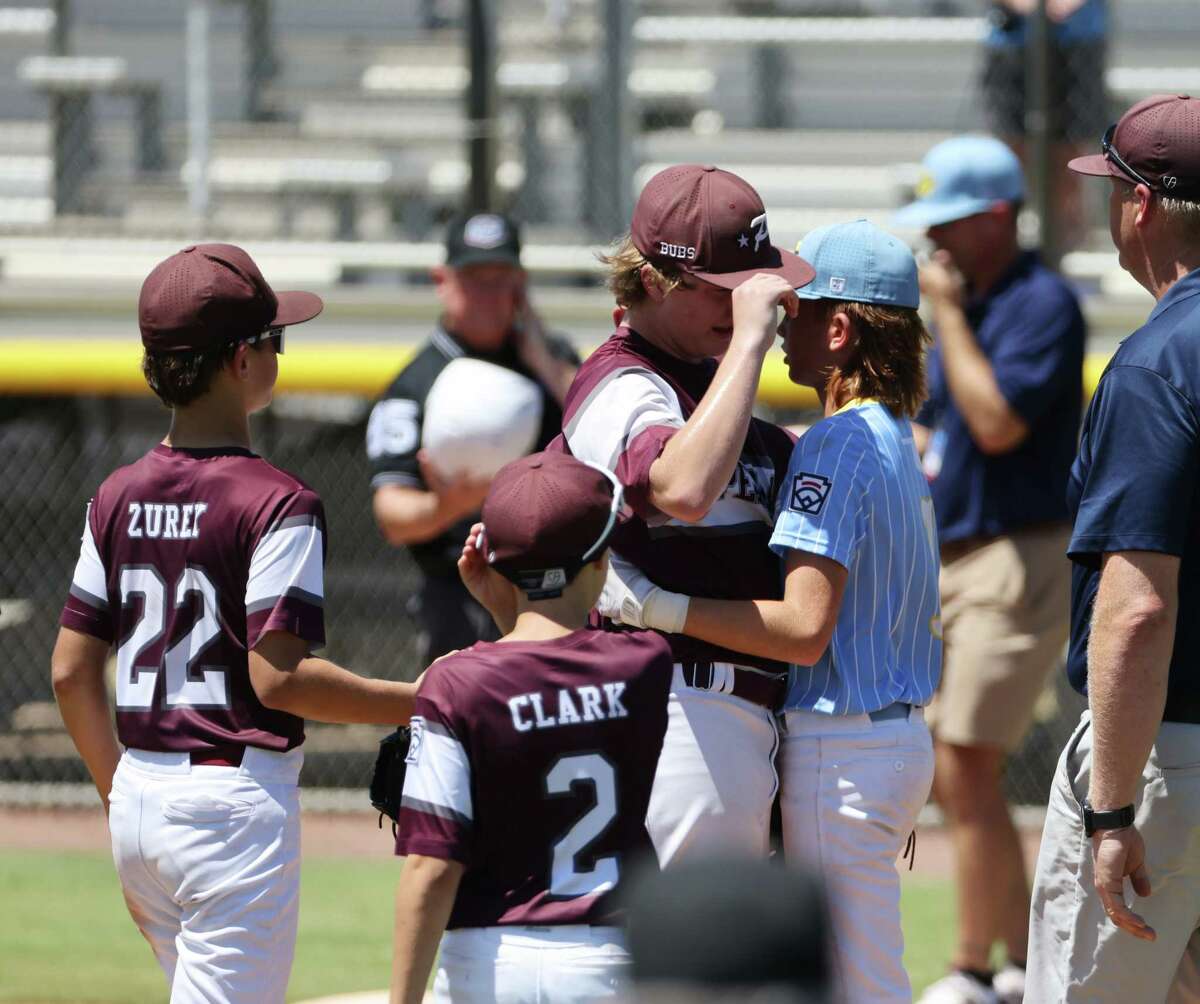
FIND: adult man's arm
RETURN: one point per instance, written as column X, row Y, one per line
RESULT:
column 1129, row 654
column 407, row 514
column 77, row 672
column 993, row 423
column 424, row 899
column 697, row 462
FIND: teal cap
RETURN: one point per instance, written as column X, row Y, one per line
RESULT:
column 859, row 261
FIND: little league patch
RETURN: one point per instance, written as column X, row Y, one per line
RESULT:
column 809, row 492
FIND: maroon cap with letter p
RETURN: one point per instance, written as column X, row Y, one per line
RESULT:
column 545, row 517
column 712, row 224
column 1156, row 143
column 209, row 295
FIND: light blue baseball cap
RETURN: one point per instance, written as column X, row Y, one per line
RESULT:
column 961, row 177
column 859, row 261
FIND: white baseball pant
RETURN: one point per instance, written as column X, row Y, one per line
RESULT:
column 852, row 790
column 209, row 862
column 716, row 779
column 567, row 964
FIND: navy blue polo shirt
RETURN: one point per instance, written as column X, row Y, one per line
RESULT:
column 1134, row 484
column 1032, row 331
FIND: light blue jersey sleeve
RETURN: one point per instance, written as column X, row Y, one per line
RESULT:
column 824, row 505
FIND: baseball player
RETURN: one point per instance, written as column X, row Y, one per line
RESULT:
column 701, row 476
column 486, row 315
column 202, row 565
column 531, row 761
column 859, row 616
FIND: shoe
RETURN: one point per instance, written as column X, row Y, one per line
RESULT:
column 958, row 988
column 1009, row 984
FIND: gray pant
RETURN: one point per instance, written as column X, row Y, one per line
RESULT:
column 1075, row 952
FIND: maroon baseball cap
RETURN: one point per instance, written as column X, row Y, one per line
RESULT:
column 545, row 517
column 712, row 224
column 1155, row 143
column 212, row 294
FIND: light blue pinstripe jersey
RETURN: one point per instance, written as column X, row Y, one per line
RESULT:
column 855, row 493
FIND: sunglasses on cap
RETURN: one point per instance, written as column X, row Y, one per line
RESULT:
column 618, row 503
column 1110, row 151
column 273, row 335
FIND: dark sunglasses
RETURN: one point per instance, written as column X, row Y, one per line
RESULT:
column 273, row 335
column 1110, row 151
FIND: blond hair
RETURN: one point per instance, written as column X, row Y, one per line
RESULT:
column 1184, row 217
column 887, row 362
column 624, row 263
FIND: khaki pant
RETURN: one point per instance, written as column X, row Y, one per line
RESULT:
column 1005, row 618
column 1076, row 954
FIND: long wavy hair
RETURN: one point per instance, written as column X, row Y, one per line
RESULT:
column 888, row 359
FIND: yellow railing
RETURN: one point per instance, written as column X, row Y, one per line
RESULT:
column 92, row 366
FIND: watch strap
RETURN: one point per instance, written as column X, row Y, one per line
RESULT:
column 1108, row 819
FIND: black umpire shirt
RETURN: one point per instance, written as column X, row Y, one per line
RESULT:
column 394, row 430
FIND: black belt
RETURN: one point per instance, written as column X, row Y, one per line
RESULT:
column 218, row 756
column 748, row 684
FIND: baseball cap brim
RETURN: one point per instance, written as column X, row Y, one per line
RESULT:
column 791, row 267
column 296, row 307
column 484, row 256
column 934, row 212
column 1098, row 166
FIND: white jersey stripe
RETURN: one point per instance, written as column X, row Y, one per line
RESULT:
column 622, row 405
column 287, row 561
column 89, row 578
column 438, row 779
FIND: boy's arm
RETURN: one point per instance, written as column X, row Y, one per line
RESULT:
column 77, row 673
column 286, row 678
column 424, row 899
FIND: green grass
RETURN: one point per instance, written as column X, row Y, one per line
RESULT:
column 65, row 934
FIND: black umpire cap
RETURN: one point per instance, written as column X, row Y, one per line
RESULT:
column 483, row 239
column 730, row 925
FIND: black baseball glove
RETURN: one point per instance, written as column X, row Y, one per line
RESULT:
column 387, row 779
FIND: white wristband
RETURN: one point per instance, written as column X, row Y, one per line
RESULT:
column 665, row 611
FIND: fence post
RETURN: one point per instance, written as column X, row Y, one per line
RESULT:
column 1038, row 131
column 611, row 145
column 481, row 105
column 199, row 112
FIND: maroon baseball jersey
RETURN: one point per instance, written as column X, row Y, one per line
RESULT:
column 188, row 558
column 628, row 399
column 531, row 763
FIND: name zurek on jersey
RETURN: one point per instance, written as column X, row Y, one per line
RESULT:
column 168, row 520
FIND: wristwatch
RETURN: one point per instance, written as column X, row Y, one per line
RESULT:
column 1109, row 819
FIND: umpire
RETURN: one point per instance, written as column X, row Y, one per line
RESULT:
column 1126, row 795
column 485, row 315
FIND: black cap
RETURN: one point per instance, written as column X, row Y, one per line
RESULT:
column 731, row 923
column 483, row 239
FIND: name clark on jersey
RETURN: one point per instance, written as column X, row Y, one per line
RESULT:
column 165, row 520
column 591, row 704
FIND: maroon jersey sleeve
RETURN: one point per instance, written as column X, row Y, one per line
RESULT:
column 436, row 811
column 285, row 586
column 87, row 608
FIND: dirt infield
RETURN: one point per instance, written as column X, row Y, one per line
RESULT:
column 351, row 834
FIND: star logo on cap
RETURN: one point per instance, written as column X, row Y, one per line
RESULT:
column 743, row 241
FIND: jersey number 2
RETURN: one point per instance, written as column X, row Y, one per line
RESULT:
column 185, row 687
column 567, row 879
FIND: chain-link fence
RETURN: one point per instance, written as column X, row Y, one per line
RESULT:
column 58, row 450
